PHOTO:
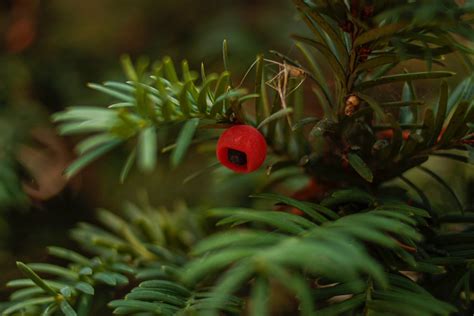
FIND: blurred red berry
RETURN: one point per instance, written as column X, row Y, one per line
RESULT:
column 347, row 26
column 241, row 148
column 368, row 11
column 364, row 53
column 315, row 190
column 388, row 134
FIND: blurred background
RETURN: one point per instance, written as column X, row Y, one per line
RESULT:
column 49, row 50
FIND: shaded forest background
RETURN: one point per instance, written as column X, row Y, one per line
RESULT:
column 51, row 49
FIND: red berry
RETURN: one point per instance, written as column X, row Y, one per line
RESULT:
column 368, row 11
column 241, row 148
column 388, row 134
column 346, row 26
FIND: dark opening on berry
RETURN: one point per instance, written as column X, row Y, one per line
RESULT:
column 241, row 148
column 237, row 157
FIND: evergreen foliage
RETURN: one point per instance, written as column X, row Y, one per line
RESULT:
column 364, row 247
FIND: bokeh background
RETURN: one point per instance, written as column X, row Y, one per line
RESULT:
column 49, row 50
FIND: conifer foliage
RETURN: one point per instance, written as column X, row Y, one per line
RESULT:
column 353, row 245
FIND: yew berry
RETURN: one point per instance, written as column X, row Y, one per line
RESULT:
column 388, row 134
column 241, row 148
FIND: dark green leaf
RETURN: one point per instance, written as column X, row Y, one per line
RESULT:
column 373, row 104
column 183, row 141
column 318, row 76
column 401, row 104
column 213, row 263
column 184, row 103
column 225, row 54
column 285, row 222
column 106, row 278
column 348, row 196
column 275, row 116
column 175, row 288
column 128, row 68
column 325, row 26
column 360, row 166
column 35, row 278
column 90, row 156
column 403, row 208
column 326, row 52
column 344, row 306
column 462, row 92
column 34, row 301
column 147, row 150
column 170, row 70
column 445, row 185
column 440, row 111
column 135, row 306
column 379, row 33
column 50, row 310
column 403, row 77
column 53, row 270
column 259, row 298
column 68, row 255
column 154, row 295
column 303, row 122
column 128, row 165
column 85, row 288
column 262, row 107
column 67, row 309
column 111, row 92
column 204, row 93
column 94, row 142
column 307, row 209
column 375, row 62
column 221, row 89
